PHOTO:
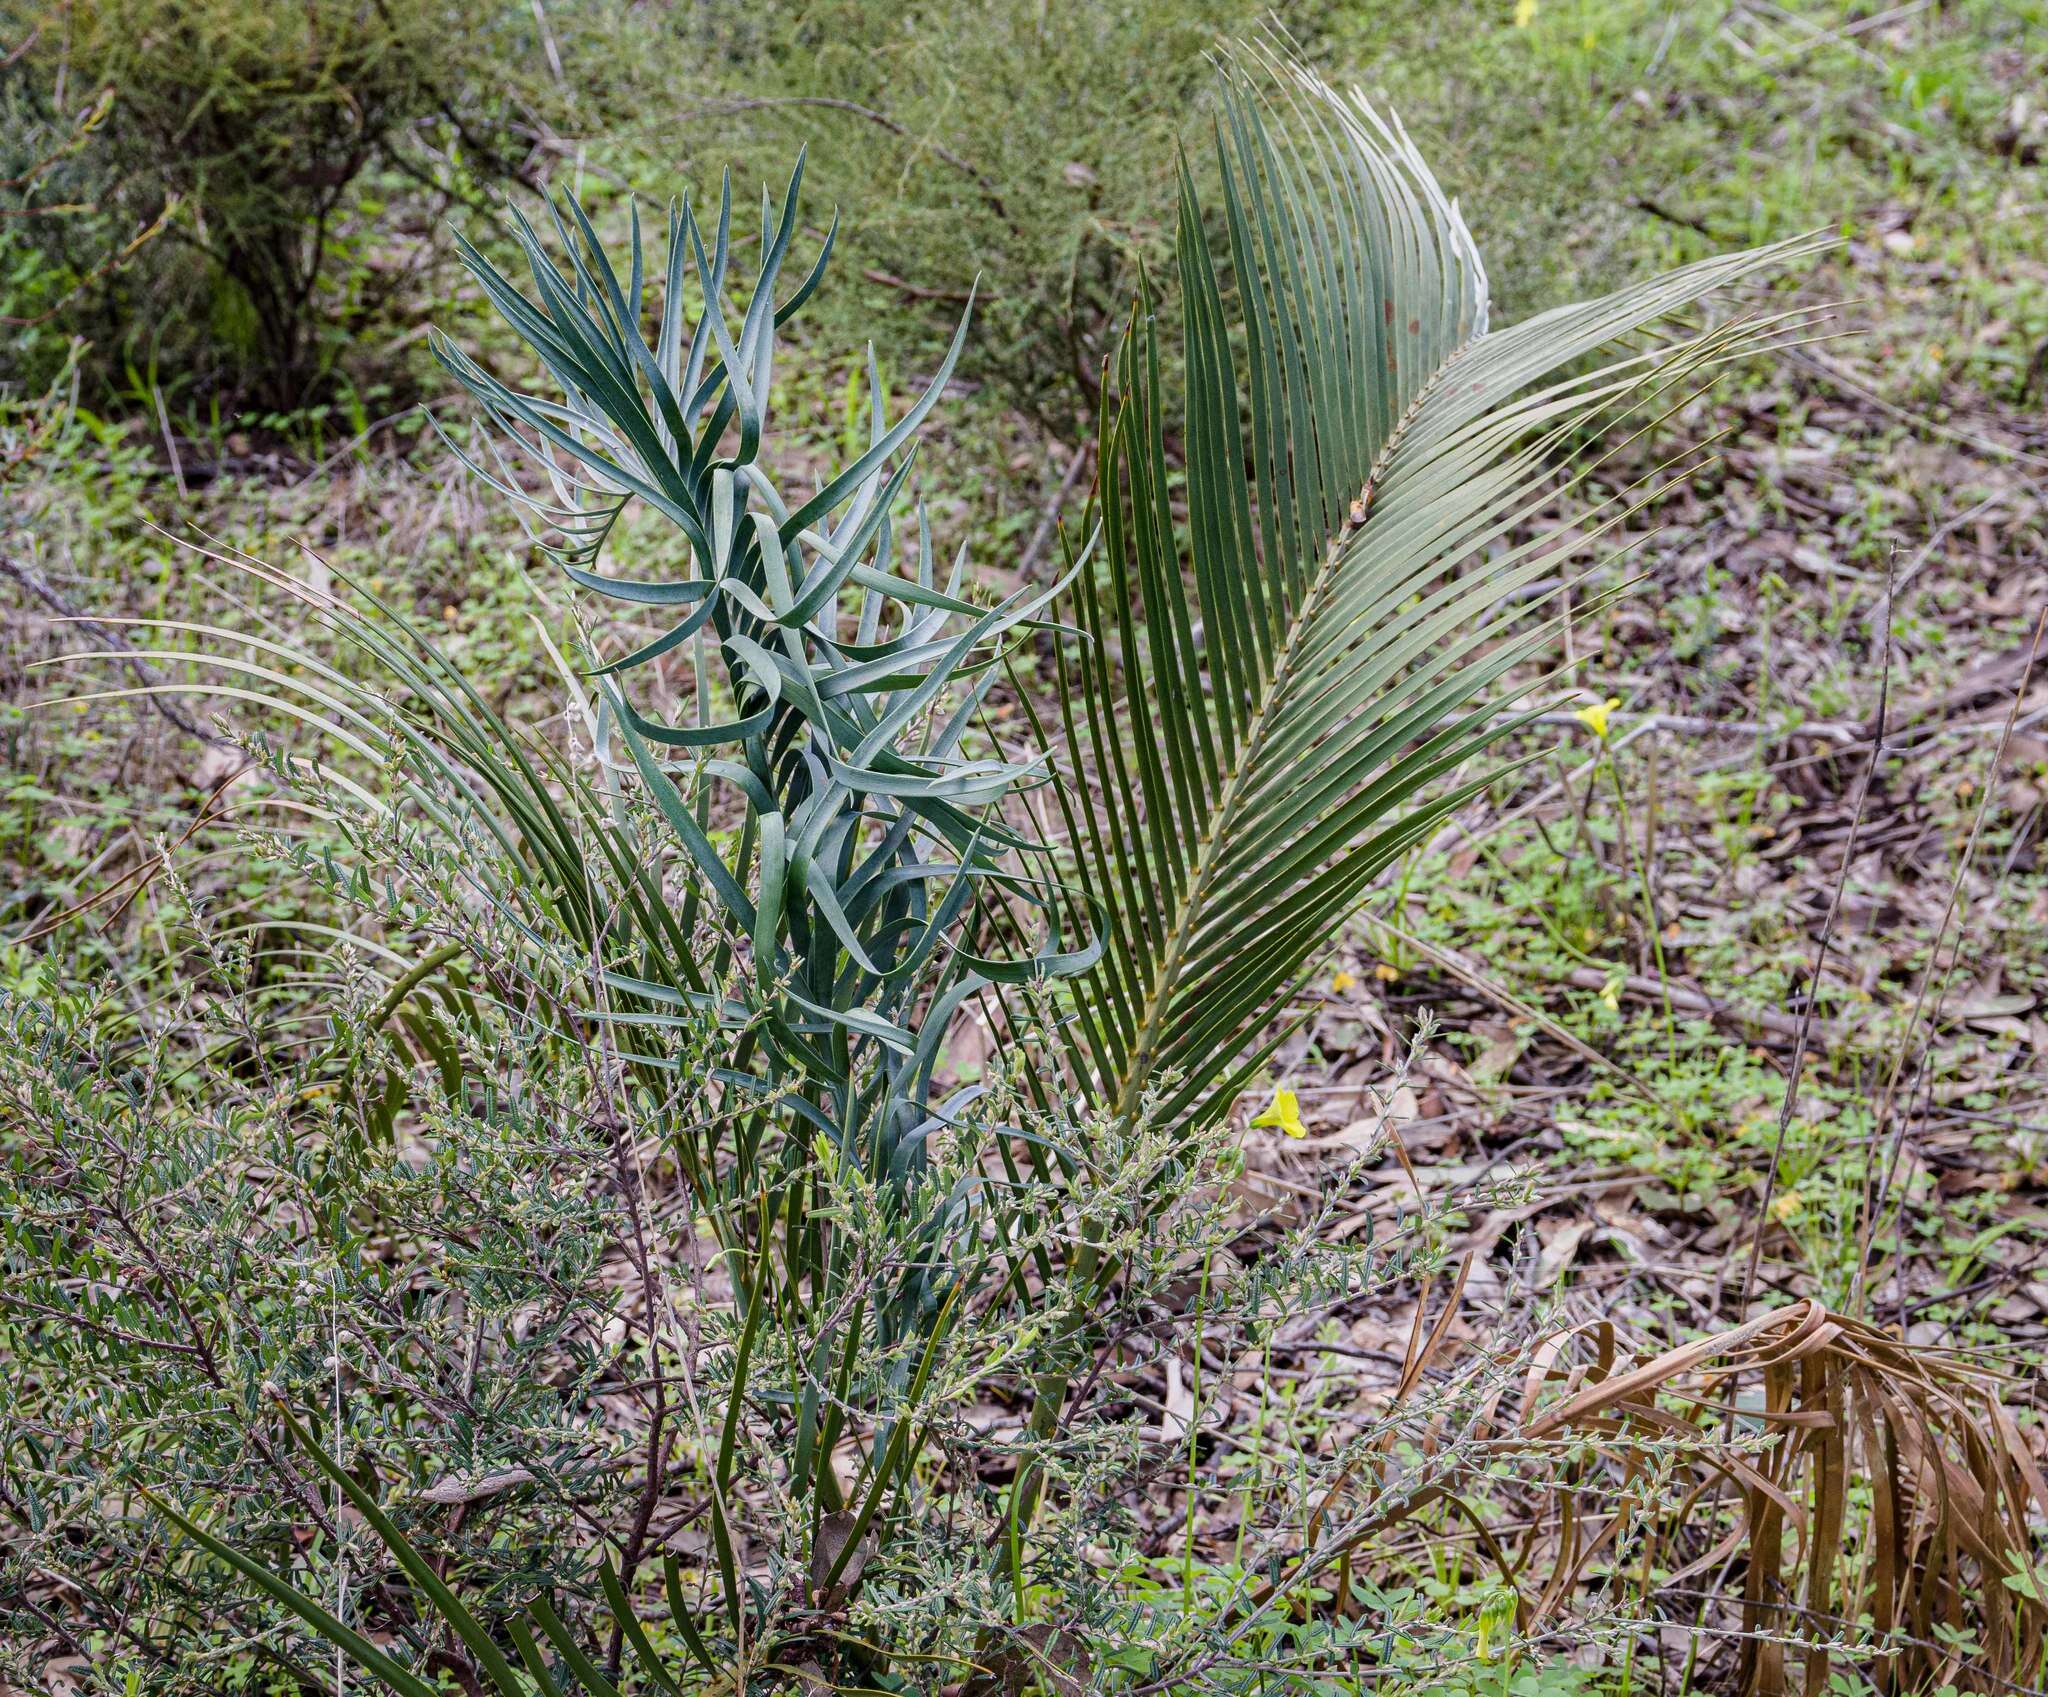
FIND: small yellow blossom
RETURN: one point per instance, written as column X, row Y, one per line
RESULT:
column 1610, row 995
column 1386, row 974
column 1525, row 13
column 1284, row 1114
column 1343, row 981
column 1497, row 1611
column 1787, row 1206
column 1595, row 718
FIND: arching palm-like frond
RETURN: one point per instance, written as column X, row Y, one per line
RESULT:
column 1283, row 674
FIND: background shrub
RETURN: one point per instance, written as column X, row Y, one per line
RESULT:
column 1026, row 147
column 286, row 137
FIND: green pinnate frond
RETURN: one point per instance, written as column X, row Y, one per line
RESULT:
column 1286, row 683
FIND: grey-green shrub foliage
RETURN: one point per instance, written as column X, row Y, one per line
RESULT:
column 181, row 1246
column 495, row 1306
column 462, row 1315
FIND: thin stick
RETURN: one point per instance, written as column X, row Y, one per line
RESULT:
column 1820, row 956
column 1955, row 891
column 42, row 589
column 163, row 421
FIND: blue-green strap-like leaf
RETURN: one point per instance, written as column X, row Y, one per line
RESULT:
column 860, row 1022
column 693, row 836
column 883, row 450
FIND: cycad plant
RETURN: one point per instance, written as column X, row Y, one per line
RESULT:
column 1290, row 671
column 1288, row 629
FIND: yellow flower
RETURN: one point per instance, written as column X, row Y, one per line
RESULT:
column 1497, row 1612
column 1342, row 982
column 1284, row 1114
column 1610, row 995
column 1787, row 1206
column 1595, row 718
column 1386, row 974
column 1525, row 13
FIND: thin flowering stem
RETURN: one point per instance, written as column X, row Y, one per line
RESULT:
column 1595, row 718
column 1642, row 872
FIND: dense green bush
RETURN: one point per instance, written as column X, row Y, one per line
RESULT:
column 176, row 1259
column 275, row 133
column 1026, row 148
column 541, row 1373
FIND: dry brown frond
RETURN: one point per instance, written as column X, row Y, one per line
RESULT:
column 1915, row 1441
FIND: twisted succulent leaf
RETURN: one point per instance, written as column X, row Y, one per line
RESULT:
column 837, row 669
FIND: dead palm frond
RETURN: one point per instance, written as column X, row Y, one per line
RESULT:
column 1830, row 1493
